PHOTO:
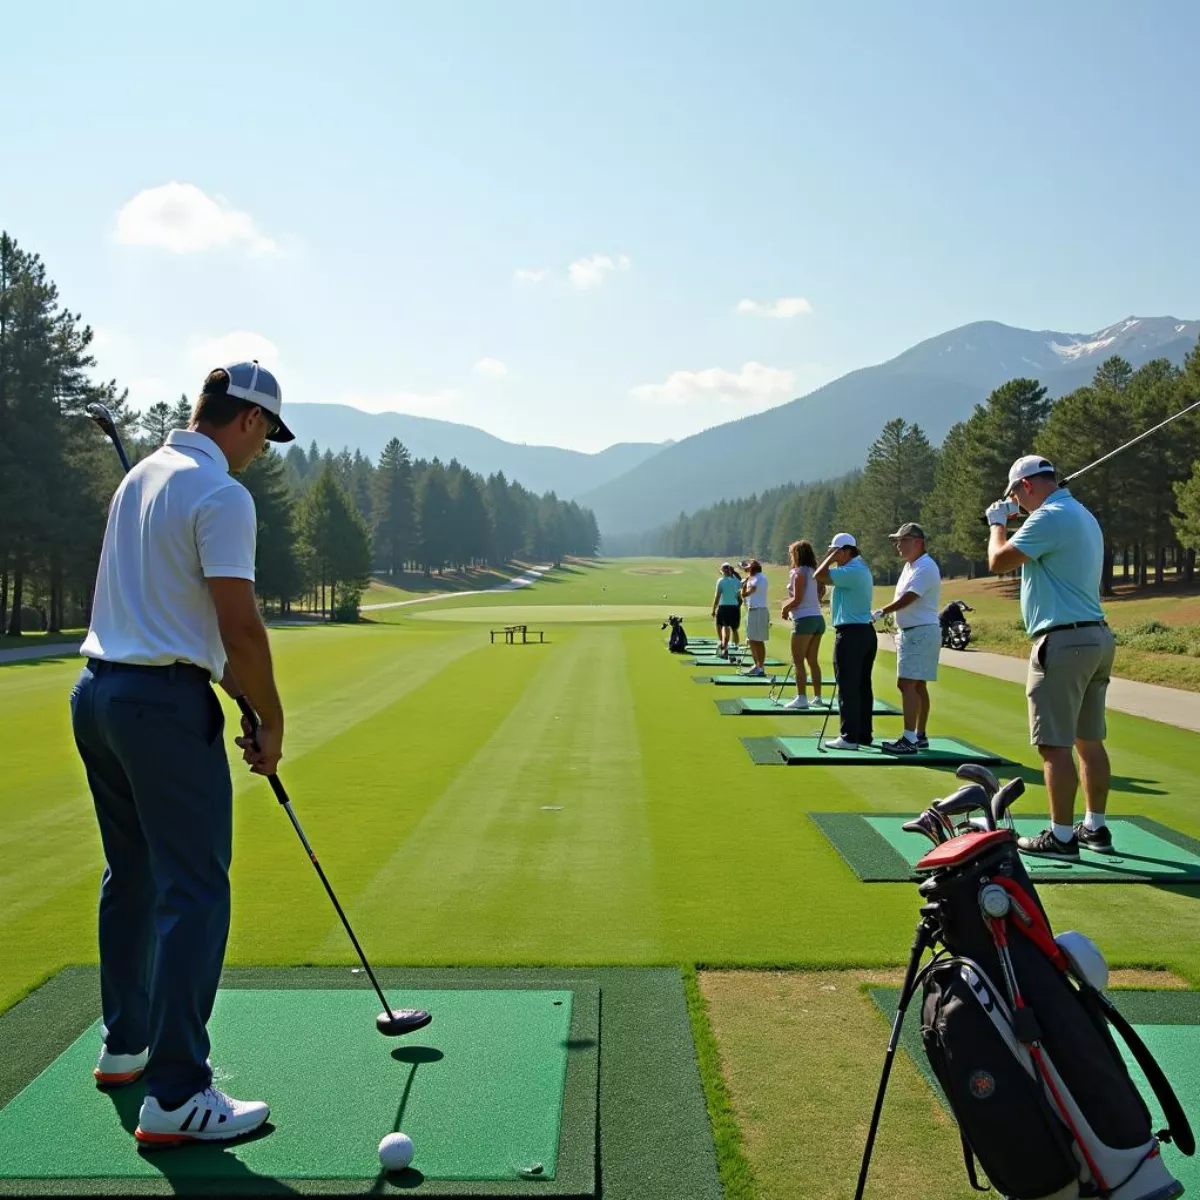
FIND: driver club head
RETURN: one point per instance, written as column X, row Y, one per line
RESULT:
column 103, row 417
column 399, row 1021
column 978, row 773
column 1002, row 801
column 967, row 799
column 928, row 824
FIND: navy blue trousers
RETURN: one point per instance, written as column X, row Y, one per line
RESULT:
column 854, row 648
column 151, row 742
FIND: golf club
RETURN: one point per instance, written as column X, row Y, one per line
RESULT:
column 966, row 799
column 928, row 824
column 392, row 1022
column 103, row 417
column 978, row 773
column 1132, row 442
column 1003, row 799
column 825, row 722
column 782, row 687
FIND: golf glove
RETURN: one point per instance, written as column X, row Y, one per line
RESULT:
column 998, row 513
column 877, row 615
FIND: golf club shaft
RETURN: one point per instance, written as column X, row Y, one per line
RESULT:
column 104, row 418
column 1132, row 442
column 825, row 722
column 282, row 796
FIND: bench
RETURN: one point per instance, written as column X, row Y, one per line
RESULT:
column 510, row 634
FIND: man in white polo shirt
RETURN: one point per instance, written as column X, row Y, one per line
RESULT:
column 918, row 635
column 174, row 610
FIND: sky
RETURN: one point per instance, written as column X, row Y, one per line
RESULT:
column 577, row 224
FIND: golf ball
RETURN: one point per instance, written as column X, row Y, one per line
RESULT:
column 396, row 1151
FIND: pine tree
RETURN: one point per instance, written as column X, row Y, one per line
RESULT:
column 393, row 506
column 156, row 423
column 433, row 518
column 278, row 573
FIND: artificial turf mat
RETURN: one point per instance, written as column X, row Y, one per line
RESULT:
column 877, row 850
column 1169, row 1024
column 637, row 1058
column 761, row 706
column 738, row 680
column 717, row 661
column 803, row 751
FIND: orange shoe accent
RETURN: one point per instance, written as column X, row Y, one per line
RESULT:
column 161, row 1139
column 117, row 1080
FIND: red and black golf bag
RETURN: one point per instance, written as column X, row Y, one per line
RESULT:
column 1019, row 1035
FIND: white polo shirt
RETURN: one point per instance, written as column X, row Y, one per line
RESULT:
column 177, row 519
column 924, row 578
column 756, row 591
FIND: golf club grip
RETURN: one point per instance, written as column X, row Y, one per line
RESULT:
column 252, row 718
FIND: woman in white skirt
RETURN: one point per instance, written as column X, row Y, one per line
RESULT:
column 758, row 621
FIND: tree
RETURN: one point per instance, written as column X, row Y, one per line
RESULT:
column 433, row 518
column 278, row 567
column 181, row 412
column 337, row 546
column 156, row 422
column 393, row 508
column 471, row 521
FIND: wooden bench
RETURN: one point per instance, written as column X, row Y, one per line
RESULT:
column 510, row 634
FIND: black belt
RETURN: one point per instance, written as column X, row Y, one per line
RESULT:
column 1072, row 625
column 173, row 670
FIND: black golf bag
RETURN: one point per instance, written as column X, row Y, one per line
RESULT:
column 678, row 642
column 956, row 633
column 1019, row 1036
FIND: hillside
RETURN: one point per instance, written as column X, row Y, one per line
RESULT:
column 827, row 432
column 538, row 468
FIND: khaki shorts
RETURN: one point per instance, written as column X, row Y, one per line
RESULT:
column 758, row 624
column 1068, row 678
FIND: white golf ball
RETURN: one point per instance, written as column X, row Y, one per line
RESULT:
column 396, row 1151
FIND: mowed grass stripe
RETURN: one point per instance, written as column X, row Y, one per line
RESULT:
column 537, row 849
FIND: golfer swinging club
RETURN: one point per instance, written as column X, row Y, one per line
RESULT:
column 1060, row 550
column 175, row 609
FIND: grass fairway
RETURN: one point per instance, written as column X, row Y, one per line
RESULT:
column 577, row 803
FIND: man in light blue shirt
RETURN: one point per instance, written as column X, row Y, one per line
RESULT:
column 1060, row 550
column 854, row 643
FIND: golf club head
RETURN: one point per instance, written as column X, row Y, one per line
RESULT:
column 399, row 1021
column 1003, row 799
column 928, row 824
column 967, row 799
column 103, row 417
column 978, row 773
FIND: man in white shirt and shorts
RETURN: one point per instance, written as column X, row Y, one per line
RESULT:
column 918, row 636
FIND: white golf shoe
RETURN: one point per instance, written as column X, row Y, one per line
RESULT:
column 797, row 704
column 116, row 1070
column 840, row 743
column 209, row 1116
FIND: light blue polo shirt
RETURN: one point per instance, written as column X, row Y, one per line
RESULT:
column 728, row 588
column 1060, row 584
column 853, row 592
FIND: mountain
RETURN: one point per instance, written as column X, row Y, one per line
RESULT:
column 826, row 433
column 538, row 468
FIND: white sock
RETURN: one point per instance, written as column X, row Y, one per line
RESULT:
column 1093, row 821
column 1064, row 833
column 910, row 735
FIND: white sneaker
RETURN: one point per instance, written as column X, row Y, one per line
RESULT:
column 209, row 1116
column 798, row 704
column 116, row 1070
column 840, row 743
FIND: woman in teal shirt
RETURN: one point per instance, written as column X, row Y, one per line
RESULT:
column 727, row 607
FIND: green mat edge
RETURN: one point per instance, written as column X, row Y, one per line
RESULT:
column 766, row 752
column 880, row 856
column 734, row 708
column 646, row 1066
column 1139, row 1006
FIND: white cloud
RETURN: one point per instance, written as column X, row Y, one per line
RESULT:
column 587, row 273
column 530, row 275
column 753, row 387
column 146, row 390
column 419, row 404
column 238, row 346
column 787, row 306
column 491, row 367
column 181, row 218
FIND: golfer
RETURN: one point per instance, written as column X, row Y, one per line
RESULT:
column 758, row 619
column 854, row 641
column 918, row 635
column 1060, row 550
column 174, row 610
column 727, row 607
column 803, row 608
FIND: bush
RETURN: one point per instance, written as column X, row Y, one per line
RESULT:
column 1155, row 637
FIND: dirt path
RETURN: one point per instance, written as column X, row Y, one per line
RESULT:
column 1171, row 706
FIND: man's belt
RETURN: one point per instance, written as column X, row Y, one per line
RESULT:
column 1072, row 625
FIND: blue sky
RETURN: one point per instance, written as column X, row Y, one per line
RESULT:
column 351, row 190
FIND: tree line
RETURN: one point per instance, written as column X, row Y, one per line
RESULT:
column 327, row 520
column 1147, row 499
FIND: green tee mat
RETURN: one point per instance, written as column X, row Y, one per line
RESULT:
column 761, row 706
column 1168, row 1022
column 877, row 850
column 717, row 661
column 645, row 1098
column 803, row 751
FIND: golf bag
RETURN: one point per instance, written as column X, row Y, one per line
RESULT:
column 678, row 642
column 1019, row 1036
column 956, row 633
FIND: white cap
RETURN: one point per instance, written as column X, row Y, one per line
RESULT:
column 1023, row 468
column 842, row 540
